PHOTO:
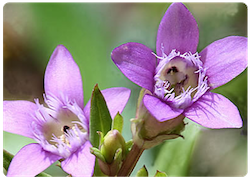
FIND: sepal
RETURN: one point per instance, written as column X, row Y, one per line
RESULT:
column 148, row 131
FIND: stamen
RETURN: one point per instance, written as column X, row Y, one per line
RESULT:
column 60, row 128
column 175, row 82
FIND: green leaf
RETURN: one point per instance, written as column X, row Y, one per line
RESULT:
column 4, row 171
column 143, row 172
column 7, row 157
column 160, row 174
column 43, row 174
column 97, row 153
column 100, row 119
column 129, row 145
column 118, row 155
column 101, row 137
column 118, row 122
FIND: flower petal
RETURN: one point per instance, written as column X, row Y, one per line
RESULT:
column 136, row 62
column 224, row 59
column 63, row 77
column 159, row 109
column 177, row 30
column 214, row 111
column 81, row 163
column 30, row 161
column 116, row 99
column 17, row 117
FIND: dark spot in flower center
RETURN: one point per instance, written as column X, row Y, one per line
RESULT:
column 65, row 128
column 172, row 70
column 178, row 87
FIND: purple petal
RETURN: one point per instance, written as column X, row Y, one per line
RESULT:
column 225, row 59
column 17, row 117
column 87, row 110
column 136, row 62
column 159, row 109
column 30, row 161
column 214, row 111
column 116, row 99
column 81, row 163
column 63, row 77
column 177, row 30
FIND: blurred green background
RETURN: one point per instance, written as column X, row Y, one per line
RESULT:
column 90, row 31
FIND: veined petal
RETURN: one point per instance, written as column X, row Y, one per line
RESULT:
column 224, row 59
column 81, row 163
column 214, row 111
column 136, row 62
column 159, row 109
column 63, row 77
column 30, row 161
column 17, row 117
column 177, row 30
column 116, row 99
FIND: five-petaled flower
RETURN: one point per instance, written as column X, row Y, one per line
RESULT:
column 61, row 126
column 179, row 78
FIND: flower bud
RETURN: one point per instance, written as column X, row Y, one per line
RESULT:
column 148, row 131
column 113, row 149
column 112, row 142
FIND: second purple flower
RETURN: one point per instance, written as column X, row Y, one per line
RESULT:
column 179, row 78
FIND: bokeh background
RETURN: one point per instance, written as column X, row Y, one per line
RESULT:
column 31, row 31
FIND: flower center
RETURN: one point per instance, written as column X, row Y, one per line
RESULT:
column 66, row 123
column 61, row 128
column 179, row 75
column 180, row 79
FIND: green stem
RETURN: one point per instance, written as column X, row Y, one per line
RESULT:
column 130, row 161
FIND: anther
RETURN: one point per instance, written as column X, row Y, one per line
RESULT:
column 65, row 128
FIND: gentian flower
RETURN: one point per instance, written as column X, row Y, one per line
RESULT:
column 61, row 126
column 178, row 78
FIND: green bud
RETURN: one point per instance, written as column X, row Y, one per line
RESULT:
column 113, row 140
column 148, row 131
column 112, row 152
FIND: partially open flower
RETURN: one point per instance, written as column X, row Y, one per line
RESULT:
column 179, row 78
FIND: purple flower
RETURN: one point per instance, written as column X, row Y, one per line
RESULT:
column 61, row 126
column 179, row 78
